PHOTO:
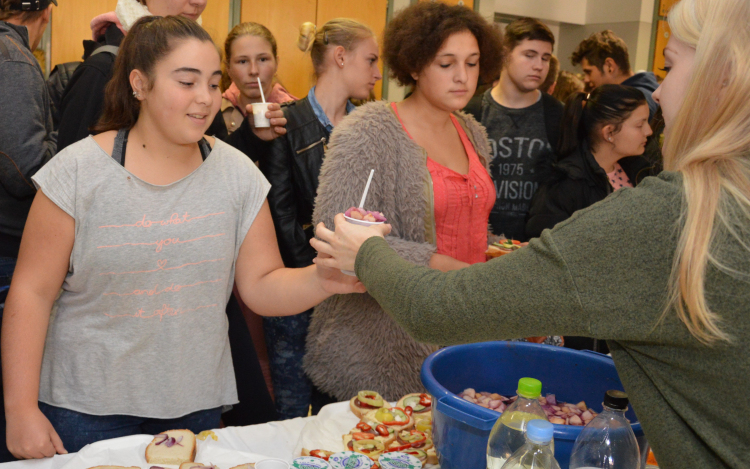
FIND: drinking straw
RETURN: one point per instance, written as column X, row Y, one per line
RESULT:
column 367, row 188
column 262, row 96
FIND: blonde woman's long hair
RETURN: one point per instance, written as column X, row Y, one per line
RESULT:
column 709, row 143
column 342, row 32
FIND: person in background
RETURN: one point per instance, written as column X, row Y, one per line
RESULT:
column 660, row 271
column 83, row 98
column 605, row 60
column 27, row 137
column 522, row 123
column 117, row 360
column 249, row 54
column 431, row 182
column 345, row 57
column 567, row 84
column 549, row 84
column 603, row 136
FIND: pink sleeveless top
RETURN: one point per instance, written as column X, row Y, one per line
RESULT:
column 462, row 203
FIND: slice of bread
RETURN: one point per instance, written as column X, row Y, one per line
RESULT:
column 317, row 453
column 250, row 465
column 182, row 449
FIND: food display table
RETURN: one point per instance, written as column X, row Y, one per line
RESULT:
column 235, row 445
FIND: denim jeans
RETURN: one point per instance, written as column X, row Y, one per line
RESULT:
column 77, row 429
column 7, row 265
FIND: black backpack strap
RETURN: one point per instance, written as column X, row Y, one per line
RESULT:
column 121, row 143
column 475, row 107
column 205, row 148
column 108, row 49
column 553, row 113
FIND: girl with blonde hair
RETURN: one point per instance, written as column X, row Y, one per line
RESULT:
column 249, row 56
column 345, row 57
column 660, row 271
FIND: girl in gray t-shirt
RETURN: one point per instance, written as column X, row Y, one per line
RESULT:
column 145, row 227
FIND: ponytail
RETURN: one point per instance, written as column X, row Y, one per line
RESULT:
column 571, row 134
column 343, row 32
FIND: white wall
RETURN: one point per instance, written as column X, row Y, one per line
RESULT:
column 566, row 11
column 574, row 20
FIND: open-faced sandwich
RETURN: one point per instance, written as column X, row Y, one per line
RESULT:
column 171, row 447
column 365, row 401
column 371, row 430
column 502, row 247
column 197, row 465
column 392, row 417
column 316, row 453
column 115, row 467
column 411, row 439
column 418, row 405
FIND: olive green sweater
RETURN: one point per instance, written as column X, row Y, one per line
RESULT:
column 603, row 273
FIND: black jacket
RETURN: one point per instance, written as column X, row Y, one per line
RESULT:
column 292, row 166
column 574, row 183
column 83, row 98
column 553, row 113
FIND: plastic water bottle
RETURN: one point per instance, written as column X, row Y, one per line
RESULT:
column 608, row 441
column 507, row 435
column 536, row 453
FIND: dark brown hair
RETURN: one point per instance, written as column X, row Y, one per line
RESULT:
column 149, row 40
column 585, row 114
column 25, row 16
column 343, row 32
column 526, row 28
column 414, row 37
column 554, row 67
column 600, row 46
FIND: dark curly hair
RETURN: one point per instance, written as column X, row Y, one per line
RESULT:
column 414, row 37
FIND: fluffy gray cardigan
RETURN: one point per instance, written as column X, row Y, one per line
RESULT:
column 352, row 344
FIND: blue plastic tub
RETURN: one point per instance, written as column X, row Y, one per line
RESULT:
column 461, row 429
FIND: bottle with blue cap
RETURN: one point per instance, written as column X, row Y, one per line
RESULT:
column 507, row 436
column 537, row 452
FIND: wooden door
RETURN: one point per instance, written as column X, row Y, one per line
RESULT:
column 370, row 12
column 215, row 20
column 665, row 6
column 284, row 19
column 662, row 36
column 71, row 25
column 466, row 3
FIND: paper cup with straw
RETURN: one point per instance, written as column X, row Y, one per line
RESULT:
column 359, row 216
column 260, row 110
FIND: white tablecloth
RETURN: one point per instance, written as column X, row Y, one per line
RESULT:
column 282, row 440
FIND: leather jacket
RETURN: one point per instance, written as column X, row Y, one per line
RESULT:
column 292, row 165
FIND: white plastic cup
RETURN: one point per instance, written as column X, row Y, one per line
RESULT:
column 259, row 115
column 362, row 223
column 271, row 463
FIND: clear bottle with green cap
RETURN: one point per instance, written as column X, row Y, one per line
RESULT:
column 537, row 452
column 508, row 434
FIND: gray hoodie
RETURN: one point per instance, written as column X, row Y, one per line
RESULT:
column 27, row 140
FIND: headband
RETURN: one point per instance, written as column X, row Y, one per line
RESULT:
column 31, row 5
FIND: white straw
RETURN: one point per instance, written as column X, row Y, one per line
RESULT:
column 367, row 188
column 262, row 96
